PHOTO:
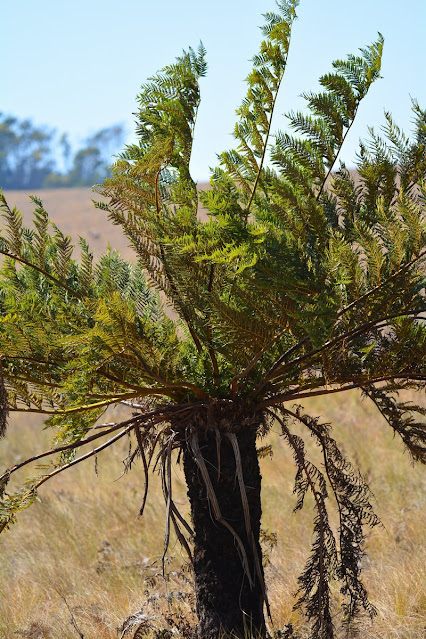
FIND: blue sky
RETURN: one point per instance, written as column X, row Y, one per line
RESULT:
column 77, row 66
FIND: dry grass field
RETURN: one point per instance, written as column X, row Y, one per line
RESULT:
column 79, row 561
column 72, row 210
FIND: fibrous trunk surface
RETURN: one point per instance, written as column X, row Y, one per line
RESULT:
column 227, row 564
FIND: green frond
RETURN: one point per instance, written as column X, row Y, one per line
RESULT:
column 252, row 131
column 86, row 267
column 307, row 162
column 63, row 257
column 41, row 238
column 14, row 228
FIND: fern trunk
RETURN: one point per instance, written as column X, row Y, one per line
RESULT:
column 227, row 603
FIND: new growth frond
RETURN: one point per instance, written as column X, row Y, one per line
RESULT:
column 252, row 131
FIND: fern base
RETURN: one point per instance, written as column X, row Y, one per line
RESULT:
column 227, row 556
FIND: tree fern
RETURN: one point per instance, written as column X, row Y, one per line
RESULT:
column 303, row 281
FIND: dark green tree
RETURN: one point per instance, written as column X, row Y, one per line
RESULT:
column 25, row 154
column 90, row 163
column 300, row 283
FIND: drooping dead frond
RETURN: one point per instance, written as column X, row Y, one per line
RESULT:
column 399, row 416
column 314, row 583
column 145, row 424
column 355, row 510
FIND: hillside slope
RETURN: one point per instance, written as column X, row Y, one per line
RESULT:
column 72, row 210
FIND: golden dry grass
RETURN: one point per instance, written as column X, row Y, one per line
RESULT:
column 81, row 553
column 73, row 212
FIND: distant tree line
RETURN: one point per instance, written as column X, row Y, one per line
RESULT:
column 33, row 157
